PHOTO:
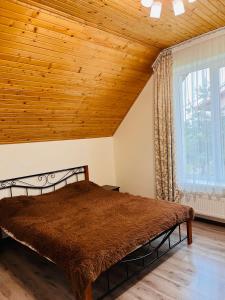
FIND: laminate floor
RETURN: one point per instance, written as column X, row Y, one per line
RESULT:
column 195, row 272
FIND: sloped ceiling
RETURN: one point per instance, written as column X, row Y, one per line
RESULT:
column 72, row 68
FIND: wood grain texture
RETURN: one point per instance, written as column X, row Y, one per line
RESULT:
column 72, row 69
column 188, row 273
column 129, row 19
column 62, row 79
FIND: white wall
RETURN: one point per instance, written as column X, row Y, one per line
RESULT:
column 134, row 147
column 26, row 159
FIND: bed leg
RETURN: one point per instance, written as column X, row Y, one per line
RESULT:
column 88, row 293
column 189, row 232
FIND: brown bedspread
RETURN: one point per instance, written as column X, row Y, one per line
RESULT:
column 85, row 229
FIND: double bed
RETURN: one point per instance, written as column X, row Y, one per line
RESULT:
column 84, row 229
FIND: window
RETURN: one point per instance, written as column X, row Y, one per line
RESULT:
column 199, row 101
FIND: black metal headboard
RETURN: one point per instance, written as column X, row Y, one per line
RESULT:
column 44, row 181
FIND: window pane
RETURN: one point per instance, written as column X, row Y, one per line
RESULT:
column 197, row 118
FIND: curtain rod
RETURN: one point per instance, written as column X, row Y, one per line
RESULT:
column 196, row 39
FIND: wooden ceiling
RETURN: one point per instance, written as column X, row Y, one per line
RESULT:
column 72, row 68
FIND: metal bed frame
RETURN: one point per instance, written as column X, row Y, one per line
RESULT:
column 129, row 266
column 142, row 258
column 43, row 181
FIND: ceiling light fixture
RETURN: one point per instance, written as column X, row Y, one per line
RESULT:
column 156, row 7
column 178, row 7
column 147, row 3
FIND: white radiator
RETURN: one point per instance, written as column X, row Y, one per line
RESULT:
column 212, row 208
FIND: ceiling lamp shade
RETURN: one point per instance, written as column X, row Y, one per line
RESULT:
column 156, row 7
column 178, row 7
column 147, row 3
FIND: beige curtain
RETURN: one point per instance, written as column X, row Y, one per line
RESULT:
column 166, row 188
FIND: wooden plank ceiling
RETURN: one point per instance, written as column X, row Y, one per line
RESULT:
column 72, row 68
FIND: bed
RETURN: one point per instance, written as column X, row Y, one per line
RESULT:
column 84, row 229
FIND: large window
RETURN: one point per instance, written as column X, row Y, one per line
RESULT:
column 199, row 101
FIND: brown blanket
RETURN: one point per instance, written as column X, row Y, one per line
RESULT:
column 85, row 229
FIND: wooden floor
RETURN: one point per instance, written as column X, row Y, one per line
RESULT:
column 187, row 273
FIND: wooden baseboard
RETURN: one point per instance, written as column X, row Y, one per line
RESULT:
column 210, row 220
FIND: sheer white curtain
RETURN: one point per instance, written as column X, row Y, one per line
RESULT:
column 199, row 105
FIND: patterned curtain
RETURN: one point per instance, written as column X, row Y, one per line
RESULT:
column 166, row 188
